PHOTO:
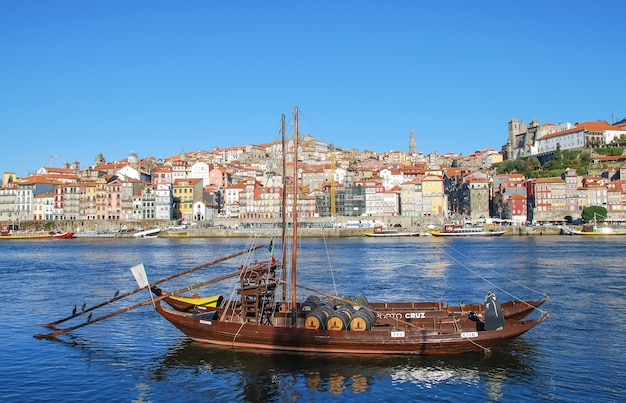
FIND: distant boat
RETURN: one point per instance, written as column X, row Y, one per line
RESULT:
column 64, row 235
column 379, row 231
column 457, row 230
column 589, row 229
column 149, row 233
column 35, row 235
column 25, row 235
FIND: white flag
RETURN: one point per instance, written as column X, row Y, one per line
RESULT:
column 140, row 275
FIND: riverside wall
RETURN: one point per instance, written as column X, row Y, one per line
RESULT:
column 325, row 232
column 234, row 228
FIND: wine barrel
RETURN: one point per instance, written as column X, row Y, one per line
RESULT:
column 362, row 320
column 361, row 300
column 340, row 318
column 318, row 318
column 310, row 303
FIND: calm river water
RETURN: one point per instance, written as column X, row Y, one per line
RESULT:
column 577, row 355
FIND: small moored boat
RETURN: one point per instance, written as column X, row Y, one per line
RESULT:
column 188, row 304
column 459, row 231
column 64, row 235
column 379, row 231
column 149, row 233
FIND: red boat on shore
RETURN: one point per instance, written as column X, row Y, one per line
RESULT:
column 64, row 235
column 36, row 235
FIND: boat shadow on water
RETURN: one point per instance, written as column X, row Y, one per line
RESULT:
column 263, row 375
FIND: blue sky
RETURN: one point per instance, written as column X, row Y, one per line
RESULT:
column 159, row 77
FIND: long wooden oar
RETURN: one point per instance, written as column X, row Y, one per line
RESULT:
column 130, row 308
column 52, row 325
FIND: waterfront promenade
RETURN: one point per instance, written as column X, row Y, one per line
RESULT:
column 324, row 232
column 235, row 228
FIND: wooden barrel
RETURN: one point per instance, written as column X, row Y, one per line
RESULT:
column 361, row 300
column 315, row 320
column 311, row 303
column 362, row 320
column 338, row 320
column 318, row 318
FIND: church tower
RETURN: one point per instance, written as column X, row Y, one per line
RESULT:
column 412, row 143
column 99, row 160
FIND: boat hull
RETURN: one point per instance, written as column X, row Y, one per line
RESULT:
column 598, row 233
column 390, row 234
column 467, row 234
column 34, row 236
column 37, row 235
column 149, row 233
column 64, row 235
column 428, row 337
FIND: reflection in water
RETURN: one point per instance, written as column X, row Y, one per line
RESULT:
column 265, row 376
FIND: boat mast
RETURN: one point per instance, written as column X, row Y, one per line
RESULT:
column 294, row 247
column 284, row 215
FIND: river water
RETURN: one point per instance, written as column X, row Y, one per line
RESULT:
column 576, row 355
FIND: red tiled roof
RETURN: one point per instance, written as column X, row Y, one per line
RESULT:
column 597, row 126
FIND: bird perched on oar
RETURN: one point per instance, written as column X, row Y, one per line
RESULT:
column 83, row 307
column 74, row 311
column 89, row 317
column 116, row 293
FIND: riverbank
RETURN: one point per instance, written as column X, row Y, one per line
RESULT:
column 235, row 228
column 323, row 232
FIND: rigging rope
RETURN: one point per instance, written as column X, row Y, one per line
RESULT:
column 330, row 266
column 246, row 262
column 487, row 280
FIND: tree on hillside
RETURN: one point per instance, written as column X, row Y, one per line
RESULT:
column 593, row 213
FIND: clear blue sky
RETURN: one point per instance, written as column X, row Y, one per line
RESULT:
column 158, row 77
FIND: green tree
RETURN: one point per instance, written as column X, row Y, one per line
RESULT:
column 593, row 213
column 558, row 156
column 585, row 157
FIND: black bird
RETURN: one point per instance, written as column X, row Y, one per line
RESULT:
column 74, row 311
column 82, row 309
column 89, row 317
column 116, row 293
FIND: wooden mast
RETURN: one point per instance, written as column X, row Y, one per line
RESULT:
column 284, row 215
column 294, row 247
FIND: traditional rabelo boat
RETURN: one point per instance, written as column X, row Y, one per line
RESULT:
column 260, row 319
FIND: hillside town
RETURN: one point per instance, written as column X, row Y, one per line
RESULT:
column 246, row 183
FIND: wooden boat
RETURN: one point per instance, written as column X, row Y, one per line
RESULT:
column 188, row 304
column 459, row 231
column 260, row 319
column 379, row 231
column 513, row 309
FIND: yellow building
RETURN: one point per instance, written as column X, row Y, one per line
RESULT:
column 186, row 192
